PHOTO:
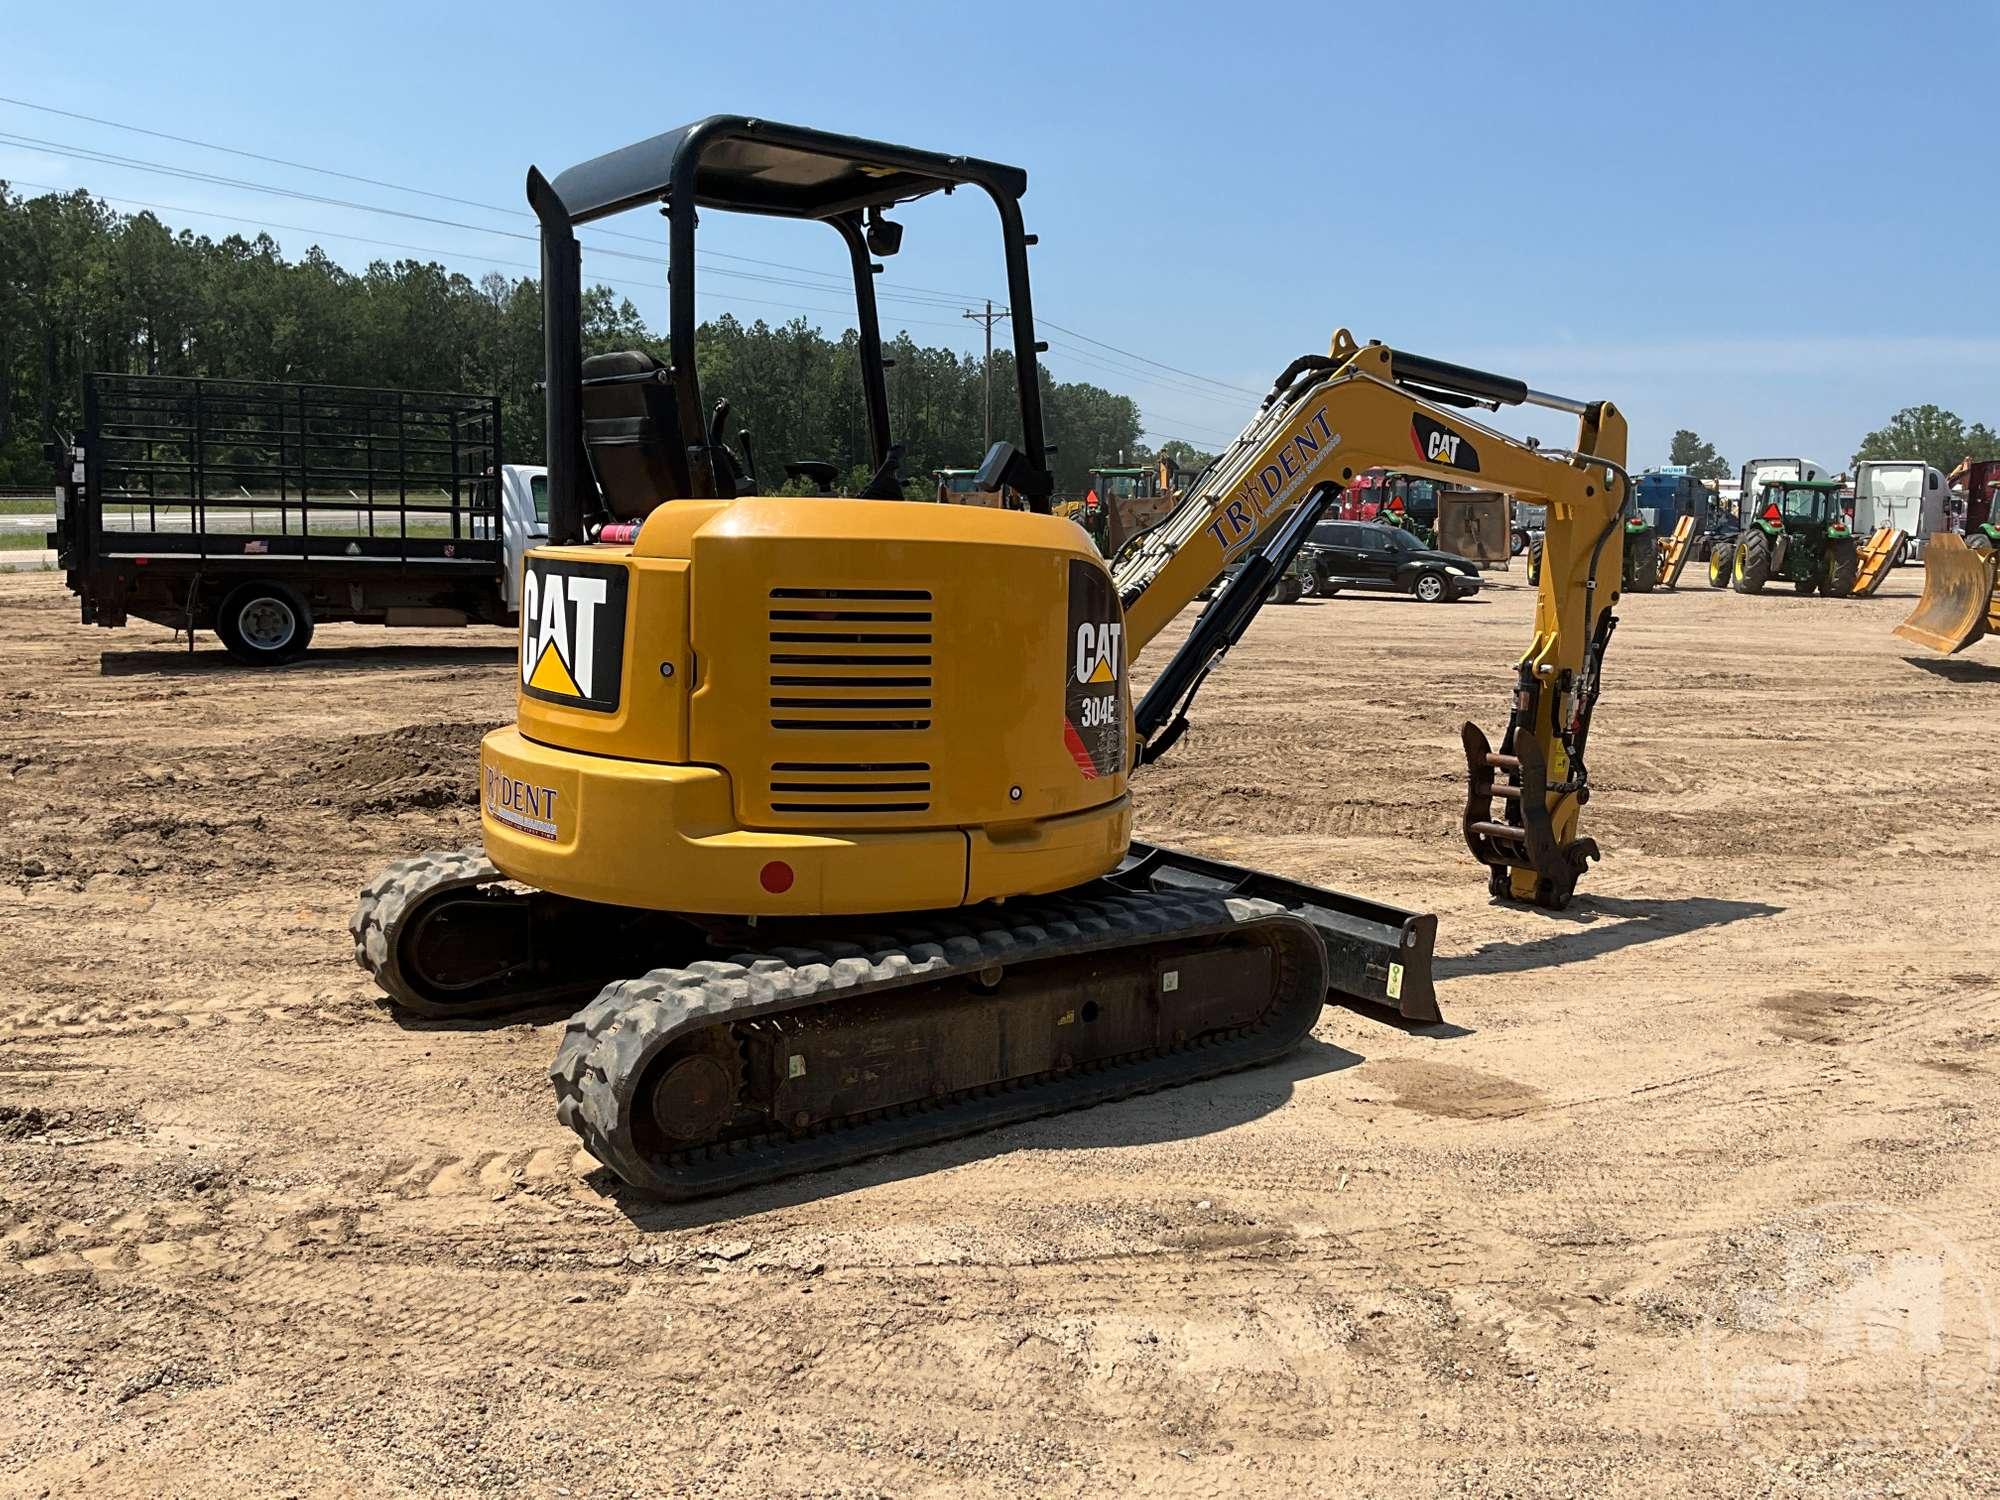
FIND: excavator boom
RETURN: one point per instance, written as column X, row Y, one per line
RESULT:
column 1332, row 417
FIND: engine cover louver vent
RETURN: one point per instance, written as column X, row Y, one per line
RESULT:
column 840, row 787
column 851, row 660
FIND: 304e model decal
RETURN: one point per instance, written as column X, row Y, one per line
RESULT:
column 1093, row 701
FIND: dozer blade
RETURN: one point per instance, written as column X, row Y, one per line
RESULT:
column 1674, row 550
column 1878, row 556
column 1958, row 597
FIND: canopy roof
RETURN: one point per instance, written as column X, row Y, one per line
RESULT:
column 760, row 166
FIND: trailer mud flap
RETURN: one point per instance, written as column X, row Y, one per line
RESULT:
column 1877, row 558
column 1674, row 550
column 1958, row 597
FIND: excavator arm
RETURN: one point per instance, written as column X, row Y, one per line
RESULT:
column 1331, row 417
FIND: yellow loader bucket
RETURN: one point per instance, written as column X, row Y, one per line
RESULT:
column 1878, row 556
column 1674, row 551
column 1958, row 596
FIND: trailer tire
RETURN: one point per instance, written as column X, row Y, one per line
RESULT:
column 1753, row 562
column 264, row 624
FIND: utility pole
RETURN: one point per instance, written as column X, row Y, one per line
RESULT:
column 989, row 318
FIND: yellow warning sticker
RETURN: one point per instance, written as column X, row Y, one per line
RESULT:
column 1395, row 981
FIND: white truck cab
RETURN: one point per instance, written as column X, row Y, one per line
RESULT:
column 1908, row 494
column 524, row 523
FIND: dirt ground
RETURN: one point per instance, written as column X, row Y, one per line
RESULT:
column 1692, row 1196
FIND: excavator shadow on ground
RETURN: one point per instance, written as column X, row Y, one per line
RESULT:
column 1592, row 935
column 185, row 663
column 1175, row 1114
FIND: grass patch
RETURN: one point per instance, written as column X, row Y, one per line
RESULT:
column 23, row 541
column 44, row 505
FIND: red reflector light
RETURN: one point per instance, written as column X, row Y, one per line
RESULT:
column 140, row 562
column 776, row 877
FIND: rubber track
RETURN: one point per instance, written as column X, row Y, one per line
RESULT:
column 607, row 1046
column 387, row 902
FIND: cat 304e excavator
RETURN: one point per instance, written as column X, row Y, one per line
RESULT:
column 825, row 799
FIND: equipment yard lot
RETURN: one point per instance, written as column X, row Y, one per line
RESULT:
column 258, row 1235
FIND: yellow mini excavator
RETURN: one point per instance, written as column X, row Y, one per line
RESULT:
column 826, row 799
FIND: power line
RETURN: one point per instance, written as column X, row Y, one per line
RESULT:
column 1206, row 379
column 102, row 158
column 925, row 297
column 276, row 161
column 517, row 213
column 1144, row 377
column 951, row 296
column 476, row 259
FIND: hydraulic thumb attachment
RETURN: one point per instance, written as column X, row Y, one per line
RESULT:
column 1161, row 717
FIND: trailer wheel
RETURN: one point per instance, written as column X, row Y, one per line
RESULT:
column 264, row 624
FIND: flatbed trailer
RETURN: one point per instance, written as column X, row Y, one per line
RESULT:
column 259, row 510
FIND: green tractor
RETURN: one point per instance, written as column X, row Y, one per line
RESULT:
column 1641, row 573
column 1799, row 532
column 1642, row 556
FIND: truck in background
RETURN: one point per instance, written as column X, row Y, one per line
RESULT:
column 1907, row 494
column 1663, row 496
column 261, row 510
column 1761, row 471
column 1374, row 491
column 1978, row 482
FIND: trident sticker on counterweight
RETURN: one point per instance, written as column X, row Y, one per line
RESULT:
column 572, row 633
column 1093, row 704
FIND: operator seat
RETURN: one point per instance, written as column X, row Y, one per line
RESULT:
column 632, row 432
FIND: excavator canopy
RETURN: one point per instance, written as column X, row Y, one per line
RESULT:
column 670, row 443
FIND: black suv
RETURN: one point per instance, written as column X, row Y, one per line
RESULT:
column 1360, row 555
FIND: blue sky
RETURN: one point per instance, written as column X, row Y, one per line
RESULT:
column 1773, row 223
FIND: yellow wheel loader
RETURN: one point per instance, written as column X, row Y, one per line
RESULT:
column 826, row 800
